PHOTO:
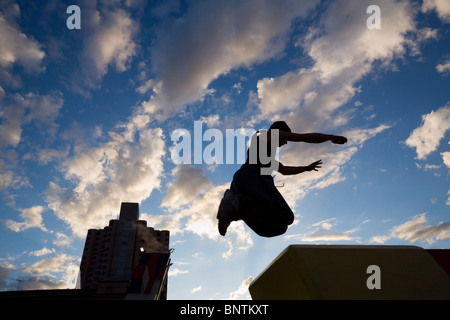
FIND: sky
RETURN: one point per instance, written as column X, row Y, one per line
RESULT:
column 94, row 116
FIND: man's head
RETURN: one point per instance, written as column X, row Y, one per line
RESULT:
column 281, row 126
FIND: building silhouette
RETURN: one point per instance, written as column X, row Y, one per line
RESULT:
column 124, row 261
column 111, row 254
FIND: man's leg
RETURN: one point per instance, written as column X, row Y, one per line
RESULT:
column 228, row 211
column 262, row 217
column 255, row 200
column 261, row 189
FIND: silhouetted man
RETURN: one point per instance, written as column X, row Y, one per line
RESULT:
column 252, row 196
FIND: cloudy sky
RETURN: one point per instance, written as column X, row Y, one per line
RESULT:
column 88, row 116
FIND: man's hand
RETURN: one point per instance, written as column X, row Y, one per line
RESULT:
column 339, row 139
column 314, row 166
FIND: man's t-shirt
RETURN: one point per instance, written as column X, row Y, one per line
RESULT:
column 262, row 154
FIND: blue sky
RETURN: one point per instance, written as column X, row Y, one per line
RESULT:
column 86, row 118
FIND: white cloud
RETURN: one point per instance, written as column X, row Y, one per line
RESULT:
column 40, row 275
column 189, row 183
column 10, row 172
column 417, row 230
column 45, row 156
column 442, row 8
column 192, row 202
column 31, row 108
column 348, row 45
column 6, row 177
column 202, row 219
column 211, row 120
column 379, row 239
column 211, row 39
column 110, row 42
column 43, row 272
column 196, row 289
column 446, row 158
column 126, row 168
column 238, row 87
column 323, row 237
column 322, row 232
column 42, row 252
column 11, row 126
column 16, row 48
column 42, row 283
column 427, row 137
column 343, row 50
column 334, row 158
column 443, row 67
column 242, row 292
column 287, row 91
column 173, row 272
column 32, row 219
column 62, row 240
column 198, row 216
column 330, row 237
column 324, row 224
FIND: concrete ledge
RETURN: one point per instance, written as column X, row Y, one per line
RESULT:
column 352, row 272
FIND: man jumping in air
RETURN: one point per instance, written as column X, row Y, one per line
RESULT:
column 252, row 196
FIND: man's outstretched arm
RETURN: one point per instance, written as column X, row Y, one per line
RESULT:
column 287, row 170
column 311, row 137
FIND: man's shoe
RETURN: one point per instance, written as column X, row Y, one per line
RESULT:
column 228, row 209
